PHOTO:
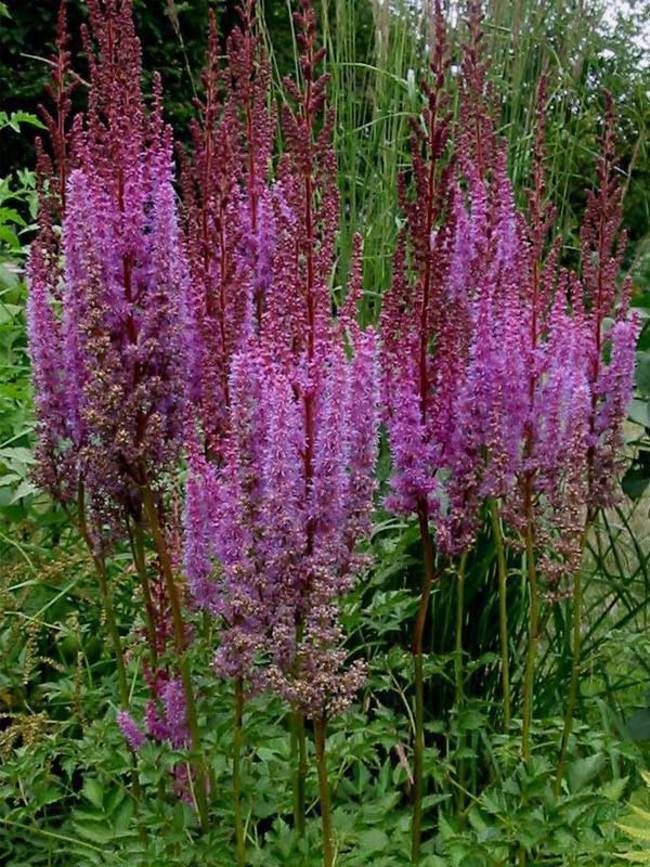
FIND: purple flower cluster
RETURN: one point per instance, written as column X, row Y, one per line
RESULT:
column 495, row 379
column 166, row 723
column 283, row 510
column 107, row 366
column 229, row 220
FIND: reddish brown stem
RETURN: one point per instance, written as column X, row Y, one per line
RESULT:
column 180, row 644
column 430, row 576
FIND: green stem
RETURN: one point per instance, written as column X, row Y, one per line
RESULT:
column 140, row 561
column 107, row 600
column 503, row 611
column 299, row 757
column 418, row 761
column 460, row 612
column 111, row 621
column 240, row 844
column 324, row 790
column 180, row 644
column 418, row 633
column 459, row 671
column 575, row 680
column 113, row 631
column 533, row 638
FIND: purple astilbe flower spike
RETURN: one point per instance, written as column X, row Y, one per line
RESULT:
column 119, row 329
column 131, row 731
column 115, row 377
column 44, row 335
column 199, row 518
column 294, row 486
column 173, row 700
column 488, row 372
column 612, row 391
column 602, row 248
column 413, row 312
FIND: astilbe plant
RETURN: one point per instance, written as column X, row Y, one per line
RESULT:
column 496, row 387
column 283, row 510
column 413, row 388
column 229, row 227
column 117, row 373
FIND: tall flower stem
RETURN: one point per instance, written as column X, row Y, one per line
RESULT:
column 503, row 610
column 240, row 844
column 111, row 621
column 107, row 600
column 324, row 790
column 459, row 669
column 418, row 634
column 574, row 683
column 180, row 643
column 533, row 638
column 299, row 759
column 136, row 537
column 460, row 612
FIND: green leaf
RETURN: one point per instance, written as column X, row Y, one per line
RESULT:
column 614, row 790
column 24, row 489
column 373, row 840
column 642, row 375
column 95, row 831
column 637, row 477
column 583, row 771
column 639, row 412
column 642, row 834
column 94, row 792
column 9, row 237
column 10, row 215
column 470, row 720
column 16, row 118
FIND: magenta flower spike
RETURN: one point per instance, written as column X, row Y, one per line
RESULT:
column 57, row 443
column 118, row 293
column 281, row 513
column 106, row 368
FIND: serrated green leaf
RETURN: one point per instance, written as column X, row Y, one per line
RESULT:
column 582, row 771
column 642, row 834
column 24, row 489
column 94, row 792
column 373, row 840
